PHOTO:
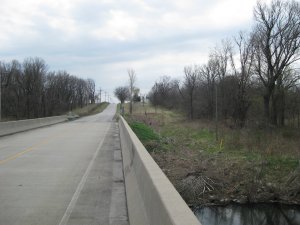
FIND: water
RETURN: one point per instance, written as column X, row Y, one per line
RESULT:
column 251, row 214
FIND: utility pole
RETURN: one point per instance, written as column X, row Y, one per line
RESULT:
column 1, row 72
column 217, row 128
column 0, row 95
column 100, row 91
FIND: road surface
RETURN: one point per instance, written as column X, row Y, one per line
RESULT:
column 69, row 173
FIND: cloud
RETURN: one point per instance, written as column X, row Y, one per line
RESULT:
column 120, row 26
column 102, row 38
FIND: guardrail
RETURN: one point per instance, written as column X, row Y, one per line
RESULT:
column 12, row 127
column 151, row 198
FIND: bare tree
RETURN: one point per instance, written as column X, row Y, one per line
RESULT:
column 82, row 93
column 136, row 95
column 154, row 96
column 277, row 43
column 293, row 104
column 221, row 58
column 91, row 86
column 122, row 93
column 208, row 77
column 14, row 96
column 242, row 71
column 284, row 83
column 29, row 91
column 132, row 81
column 189, row 85
column 33, row 81
column 165, row 92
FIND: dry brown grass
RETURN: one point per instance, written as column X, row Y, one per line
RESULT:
column 243, row 165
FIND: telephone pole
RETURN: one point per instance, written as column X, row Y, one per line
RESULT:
column 217, row 127
column 100, row 91
column 0, row 95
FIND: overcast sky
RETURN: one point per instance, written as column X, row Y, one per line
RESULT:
column 100, row 39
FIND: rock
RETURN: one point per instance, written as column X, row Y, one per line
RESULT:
column 241, row 200
column 224, row 201
column 212, row 197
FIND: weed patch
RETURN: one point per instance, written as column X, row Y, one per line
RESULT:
column 146, row 134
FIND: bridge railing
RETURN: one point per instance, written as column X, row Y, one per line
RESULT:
column 12, row 127
column 151, row 198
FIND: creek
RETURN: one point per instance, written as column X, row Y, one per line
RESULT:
column 249, row 214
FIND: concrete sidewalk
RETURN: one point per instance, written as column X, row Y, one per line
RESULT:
column 102, row 199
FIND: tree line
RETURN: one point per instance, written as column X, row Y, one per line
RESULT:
column 252, row 77
column 29, row 90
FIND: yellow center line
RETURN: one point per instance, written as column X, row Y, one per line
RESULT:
column 24, row 152
column 31, row 148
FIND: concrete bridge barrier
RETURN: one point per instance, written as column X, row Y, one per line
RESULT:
column 12, row 127
column 151, row 198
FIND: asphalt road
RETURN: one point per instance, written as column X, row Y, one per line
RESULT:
column 69, row 173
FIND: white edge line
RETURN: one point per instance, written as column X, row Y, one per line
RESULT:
column 79, row 188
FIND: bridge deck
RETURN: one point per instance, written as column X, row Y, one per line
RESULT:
column 69, row 173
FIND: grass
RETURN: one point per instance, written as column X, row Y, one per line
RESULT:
column 144, row 132
column 245, row 160
column 91, row 109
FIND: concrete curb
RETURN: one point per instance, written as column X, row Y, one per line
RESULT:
column 151, row 198
column 11, row 127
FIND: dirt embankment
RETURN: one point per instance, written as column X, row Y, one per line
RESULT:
column 203, row 180
column 208, row 172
